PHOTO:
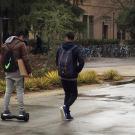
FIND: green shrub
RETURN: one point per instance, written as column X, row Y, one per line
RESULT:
column 51, row 80
column 88, row 42
column 39, row 73
column 32, row 42
column 33, row 84
column 2, row 86
column 88, row 77
column 130, row 42
column 29, row 83
column 118, row 78
column 112, row 75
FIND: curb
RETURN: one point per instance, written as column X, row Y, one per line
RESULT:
column 123, row 82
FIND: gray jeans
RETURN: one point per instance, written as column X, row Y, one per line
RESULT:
column 10, row 83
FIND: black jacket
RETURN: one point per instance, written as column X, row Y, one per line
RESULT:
column 77, row 57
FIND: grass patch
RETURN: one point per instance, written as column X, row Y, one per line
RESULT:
column 2, row 86
column 112, row 75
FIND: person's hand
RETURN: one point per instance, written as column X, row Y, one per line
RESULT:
column 30, row 75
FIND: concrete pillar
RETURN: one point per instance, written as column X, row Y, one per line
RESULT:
column 0, row 31
column 88, row 27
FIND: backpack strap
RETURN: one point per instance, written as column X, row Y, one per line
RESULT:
column 71, row 49
column 61, row 52
column 7, row 46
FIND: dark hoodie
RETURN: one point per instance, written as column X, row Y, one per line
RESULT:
column 77, row 57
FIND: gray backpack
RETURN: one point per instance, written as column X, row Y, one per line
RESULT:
column 65, row 63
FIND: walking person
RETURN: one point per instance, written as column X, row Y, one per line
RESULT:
column 70, row 63
column 39, row 45
column 13, row 49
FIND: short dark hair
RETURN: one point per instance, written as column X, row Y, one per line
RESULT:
column 70, row 35
column 20, row 33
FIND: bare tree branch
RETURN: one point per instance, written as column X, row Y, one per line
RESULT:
column 124, row 4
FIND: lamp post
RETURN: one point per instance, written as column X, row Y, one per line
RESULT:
column 1, row 30
column 1, row 23
column 113, row 25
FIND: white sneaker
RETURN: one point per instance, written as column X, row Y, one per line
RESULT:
column 63, row 114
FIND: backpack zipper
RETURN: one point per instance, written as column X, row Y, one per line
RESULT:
column 67, row 57
column 66, row 63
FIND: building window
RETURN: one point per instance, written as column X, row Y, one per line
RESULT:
column 121, row 35
column 104, row 31
column 85, row 26
column 89, row 26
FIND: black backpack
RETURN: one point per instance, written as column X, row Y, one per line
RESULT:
column 9, row 62
column 65, row 63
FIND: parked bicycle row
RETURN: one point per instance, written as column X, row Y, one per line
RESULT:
column 108, row 51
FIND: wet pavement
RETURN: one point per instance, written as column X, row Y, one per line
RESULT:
column 107, row 110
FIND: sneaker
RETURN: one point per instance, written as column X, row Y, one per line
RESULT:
column 7, row 113
column 22, row 113
column 68, row 116
column 63, row 112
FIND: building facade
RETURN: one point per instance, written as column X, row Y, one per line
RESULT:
column 100, row 20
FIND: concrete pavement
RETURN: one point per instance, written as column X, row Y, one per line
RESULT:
column 99, row 110
column 125, row 66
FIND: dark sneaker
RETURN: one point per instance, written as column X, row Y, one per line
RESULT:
column 65, row 113
column 22, row 113
column 68, row 116
column 7, row 113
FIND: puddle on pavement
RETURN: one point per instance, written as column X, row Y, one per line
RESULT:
column 116, row 97
column 93, row 96
column 104, row 97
